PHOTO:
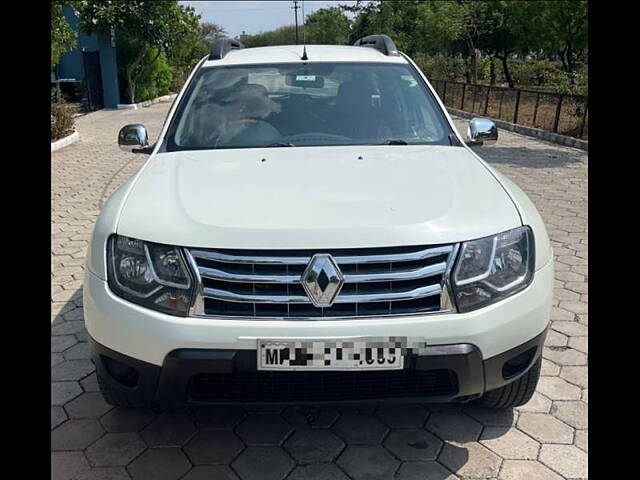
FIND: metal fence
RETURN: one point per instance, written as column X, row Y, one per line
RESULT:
column 558, row 113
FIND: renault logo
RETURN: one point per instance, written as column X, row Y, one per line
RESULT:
column 322, row 280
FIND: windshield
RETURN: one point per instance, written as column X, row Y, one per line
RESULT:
column 301, row 105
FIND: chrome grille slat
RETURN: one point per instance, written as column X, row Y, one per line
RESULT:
column 428, row 271
column 267, row 284
column 227, row 296
column 304, row 259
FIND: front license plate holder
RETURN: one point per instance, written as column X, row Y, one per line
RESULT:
column 371, row 353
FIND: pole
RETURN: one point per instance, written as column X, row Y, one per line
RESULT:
column 295, row 13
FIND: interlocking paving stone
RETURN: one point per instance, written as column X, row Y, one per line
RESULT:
column 567, row 460
column 403, row 416
column 105, row 473
column 557, row 388
column 509, row 443
column 413, row 444
column 581, row 440
column 66, row 465
column 62, row 392
column 115, row 449
column 87, row 405
column 68, row 327
column 264, row 429
column 470, row 460
column 263, row 463
column 213, row 446
column 365, row 462
column 357, row 429
column 576, row 375
column 159, row 464
column 218, row 416
column 56, row 358
column 454, row 426
column 490, row 417
column 526, row 469
column 313, row 446
column 127, row 419
column 424, row 471
column 579, row 343
column 77, row 352
column 169, row 430
column 58, row 415
column 60, row 343
column 76, row 434
column 317, row 471
column 574, row 413
column 545, row 428
column 71, row 370
column 564, row 356
column 210, row 472
column 554, row 177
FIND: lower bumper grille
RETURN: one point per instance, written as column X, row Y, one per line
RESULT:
column 320, row 386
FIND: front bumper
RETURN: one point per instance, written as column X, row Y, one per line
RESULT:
column 203, row 376
column 150, row 336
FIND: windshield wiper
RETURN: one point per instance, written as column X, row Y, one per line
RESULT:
column 394, row 141
column 281, row 144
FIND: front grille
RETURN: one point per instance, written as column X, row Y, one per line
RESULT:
column 320, row 386
column 266, row 283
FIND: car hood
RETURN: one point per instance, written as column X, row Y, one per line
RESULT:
column 316, row 197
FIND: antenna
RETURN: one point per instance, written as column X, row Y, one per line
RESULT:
column 304, row 40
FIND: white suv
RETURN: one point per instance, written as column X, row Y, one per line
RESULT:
column 311, row 227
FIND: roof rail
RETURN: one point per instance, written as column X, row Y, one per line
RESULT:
column 382, row 43
column 224, row 46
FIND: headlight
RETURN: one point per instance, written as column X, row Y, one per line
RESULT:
column 493, row 268
column 155, row 276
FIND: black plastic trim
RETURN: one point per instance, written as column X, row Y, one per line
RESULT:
column 380, row 42
column 224, row 46
column 168, row 385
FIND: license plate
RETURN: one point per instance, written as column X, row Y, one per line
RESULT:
column 371, row 353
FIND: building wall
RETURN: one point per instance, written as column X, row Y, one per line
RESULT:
column 71, row 66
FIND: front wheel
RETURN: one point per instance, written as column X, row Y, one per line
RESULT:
column 515, row 393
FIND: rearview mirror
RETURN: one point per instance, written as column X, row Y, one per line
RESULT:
column 133, row 138
column 481, row 131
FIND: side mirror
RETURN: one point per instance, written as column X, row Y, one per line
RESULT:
column 134, row 139
column 481, row 131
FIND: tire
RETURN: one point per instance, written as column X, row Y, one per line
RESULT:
column 515, row 393
column 121, row 397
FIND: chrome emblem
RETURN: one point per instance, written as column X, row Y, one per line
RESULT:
column 322, row 280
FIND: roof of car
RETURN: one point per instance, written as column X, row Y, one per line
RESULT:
column 293, row 53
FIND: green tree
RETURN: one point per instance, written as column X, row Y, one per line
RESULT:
column 157, row 25
column 63, row 38
column 329, row 26
column 565, row 30
column 285, row 35
column 190, row 48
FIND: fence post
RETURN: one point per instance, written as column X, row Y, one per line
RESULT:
column 535, row 110
column 486, row 103
column 584, row 117
column 515, row 113
column 557, row 119
column 444, row 93
column 500, row 106
column 475, row 95
column 464, row 89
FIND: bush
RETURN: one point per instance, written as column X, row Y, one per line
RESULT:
column 61, row 120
